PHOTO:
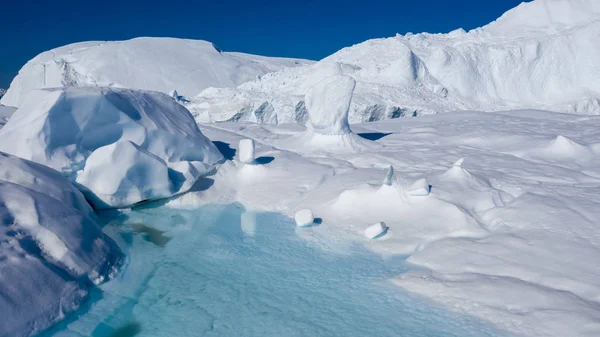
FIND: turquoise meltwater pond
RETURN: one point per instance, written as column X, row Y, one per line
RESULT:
column 222, row 271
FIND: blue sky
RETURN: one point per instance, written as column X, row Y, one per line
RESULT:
column 309, row 29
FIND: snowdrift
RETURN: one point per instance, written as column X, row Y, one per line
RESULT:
column 161, row 64
column 537, row 55
column 120, row 146
column 52, row 249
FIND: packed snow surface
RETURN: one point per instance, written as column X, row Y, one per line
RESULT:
column 120, row 146
column 160, row 64
column 198, row 273
column 52, row 251
column 537, row 55
column 499, row 210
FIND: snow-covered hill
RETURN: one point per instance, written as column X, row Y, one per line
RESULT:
column 160, row 64
column 538, row 55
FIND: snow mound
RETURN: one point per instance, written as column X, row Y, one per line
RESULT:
column 52, row 249
column 537, row 55
column 122, row 146
column 375, row 230
column 159, row 64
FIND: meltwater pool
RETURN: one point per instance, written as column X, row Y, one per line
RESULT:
column 222, row 271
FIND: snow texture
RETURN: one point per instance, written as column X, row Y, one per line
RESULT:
column 536, row 55
column 120, row 146
column 160, row 64
column 52, row 249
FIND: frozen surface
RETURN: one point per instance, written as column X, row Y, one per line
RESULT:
column 507, row 231
column 211, row 279
column 52, row 251
column 537, row 55
column 122, row 146
column 160, row 64
column 5, row 113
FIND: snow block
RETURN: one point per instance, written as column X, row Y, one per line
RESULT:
column 246, row 151
column 327, row 103
column 375, row 230
column 419, row 188
column 95, row 136
column 304, row 217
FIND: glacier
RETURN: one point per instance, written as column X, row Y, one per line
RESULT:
column 537, row 55
column 159, row 64
column 488, row 198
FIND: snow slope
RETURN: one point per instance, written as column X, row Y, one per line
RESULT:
column 161, row 64
column 121, row 146
column 52, row 250
column 537, row 55
column 508, row 234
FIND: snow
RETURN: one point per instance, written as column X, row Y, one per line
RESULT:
column 121, row 146
column 5, row 113
column 327, row 103
column 304, row 217
column 160, row 64
column 375, row 230
column 52, row 250
column 502, row 235
column 420, row 188
column 537, row 55
column 246, row 151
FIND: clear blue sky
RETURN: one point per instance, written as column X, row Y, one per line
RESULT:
column 309, row 29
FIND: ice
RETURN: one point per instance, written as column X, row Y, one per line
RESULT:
column 304, row 217
column 419, row 188
column 389, row 177
column 122, row 146
column 375, row 230
column 149, row 63
column 327, row 103
column 52, row 250
column 536, row 55
column 212, row 279
column 514, row 211
column 246, row 151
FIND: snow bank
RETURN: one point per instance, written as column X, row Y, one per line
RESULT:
column 122, row 146
column 536, row 55
column 52, row 249
column 160, row 64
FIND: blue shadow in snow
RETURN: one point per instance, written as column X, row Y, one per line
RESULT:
column 225, row 149
column 374, row 135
